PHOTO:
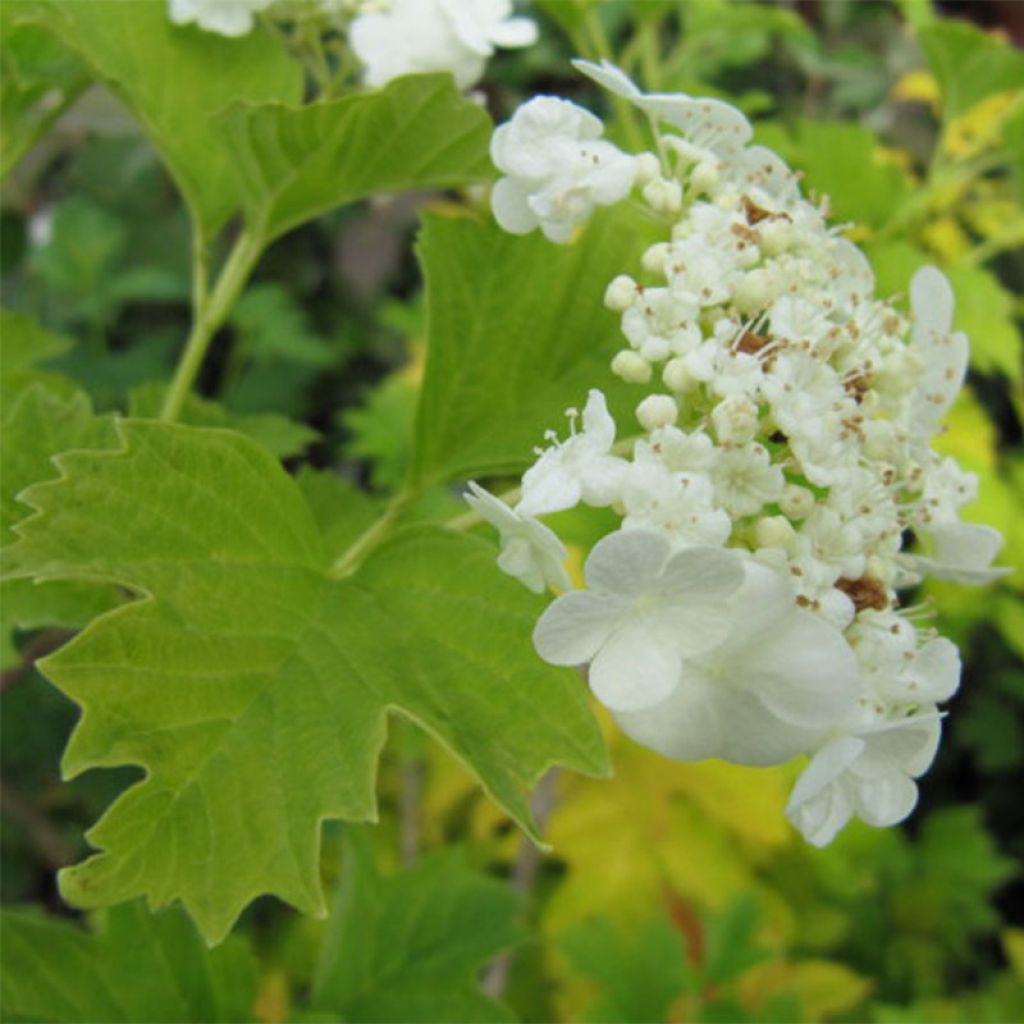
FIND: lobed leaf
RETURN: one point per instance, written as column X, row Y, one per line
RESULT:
column 174, row 80
column 136, row 968
column 409, row 946
column 517, row 333
column 253, row 687
column 294, row 163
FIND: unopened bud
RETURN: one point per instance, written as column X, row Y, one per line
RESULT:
column 663, row 196
column 796, row 501
column 704, row 176
column 657, row 411
column 648, row 167
column 677, row 376
column 621, row 293
column 751, row 294
column 774, row 532
column 775, row 236
column 653, row 260
column 631, row 367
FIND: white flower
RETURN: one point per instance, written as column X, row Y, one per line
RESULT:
column 745, row 480
column 645, row 609
column 679, row 505
column 962, row 552
column 579, row 468
column 677, row 450
column 530, row 551
column 942, row 354
column 558, row 168
column 226, row 17
column 869, row 774
column 710, row 127
column 436, row 35
column 779, row 679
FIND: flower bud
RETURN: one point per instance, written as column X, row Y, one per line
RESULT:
column 657, row 411
column 704, row 176
column 631, row 367
column 648, row 167
column 751, row 294
column 774, row 532
column 775, row 236
column 735, row 420
column 796, row 501
column 653, row 260
column 621, row 293
column 677, row 376
column 663, row 196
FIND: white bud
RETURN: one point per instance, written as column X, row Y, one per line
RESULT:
column 677, row 376
column 735, row 420
column 704, row 176
column 796, row 501
column 880, row 569
column 752, row 293
column 631, row 367
column 653, row 260
column 663, row 196
column 774, row 532
column 657, row 411
column 621, row 293
column 648, row 167
column 775, row 236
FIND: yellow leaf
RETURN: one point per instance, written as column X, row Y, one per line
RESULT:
column 697, row 830
column 946, row 239
column 917, row 86
column 823, row 988
column 980, row 127
column 1013, row 947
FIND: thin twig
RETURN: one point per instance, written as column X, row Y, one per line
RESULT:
column 40, row 832
column 524, row 874
column 37, row 648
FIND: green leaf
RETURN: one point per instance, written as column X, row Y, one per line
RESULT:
column 36, row 426
column 278, row 434
column 409, row 947
column 253, row 687
column 294, row 163
column 136, row 967
column 731, row 940
column 39, row 79
column 841, row 160
column 641, row 975
column 969, row 64
column 517, row 332
column 23, row 345
column 175, row 79
column 341, row 510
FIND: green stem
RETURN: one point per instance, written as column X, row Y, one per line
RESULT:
column 208, row 317
column 374, row 536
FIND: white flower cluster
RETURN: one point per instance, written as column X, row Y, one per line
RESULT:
column 390, row 37
column 747, row 607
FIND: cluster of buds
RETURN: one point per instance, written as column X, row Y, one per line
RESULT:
column 747, row 606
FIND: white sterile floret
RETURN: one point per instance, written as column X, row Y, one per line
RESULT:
column 225, row 17
column 644, row 610
column 868, row 774
column 558, row 168
column 657, row 411
column 530, row 551
column 941, row 353
column 962, row 552
column 436, row 35
column 766, row 692
column 579, row 468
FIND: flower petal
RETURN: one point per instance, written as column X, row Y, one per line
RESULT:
column 632, row 670
column 575, row 625
column 626, row 562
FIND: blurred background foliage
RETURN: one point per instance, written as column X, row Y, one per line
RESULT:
column 674, row 891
